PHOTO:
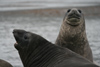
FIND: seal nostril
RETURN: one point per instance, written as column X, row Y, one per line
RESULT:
column 14, row 31
column 74, row 12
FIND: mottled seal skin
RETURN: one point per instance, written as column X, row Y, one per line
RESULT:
column 5, row 64
column 72, row 34
column 36, row 51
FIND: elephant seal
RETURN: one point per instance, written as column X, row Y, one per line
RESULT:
column 5, row 64
column 36, row 51
column 72, row 34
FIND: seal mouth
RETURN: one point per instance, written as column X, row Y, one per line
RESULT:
column 15, row 34
column 74, row 18
column 18, row 37
column 77, row 16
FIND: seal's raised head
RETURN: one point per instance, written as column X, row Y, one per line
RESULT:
column 24, row 39
column 73, row 17
column 28, row 44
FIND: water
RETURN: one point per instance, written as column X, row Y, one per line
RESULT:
column 8, row 5
column 48, row 27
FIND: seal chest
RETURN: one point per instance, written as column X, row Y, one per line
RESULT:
column 72, row 34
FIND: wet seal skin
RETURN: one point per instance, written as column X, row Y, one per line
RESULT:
column 72, row 34
column 5, row 64
column 36, row 51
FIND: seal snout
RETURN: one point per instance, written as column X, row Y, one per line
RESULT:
column 75, row 11
column 74, row 14
column 18, row 34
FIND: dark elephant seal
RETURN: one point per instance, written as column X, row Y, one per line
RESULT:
column 72, row 34
column 36, row 51
column 5, row 64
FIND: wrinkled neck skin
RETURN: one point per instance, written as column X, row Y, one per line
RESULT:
column 72, row 37
column 41, row 56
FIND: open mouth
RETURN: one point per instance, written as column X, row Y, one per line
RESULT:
column 16, row 44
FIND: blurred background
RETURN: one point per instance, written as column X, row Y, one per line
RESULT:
column 44, row 17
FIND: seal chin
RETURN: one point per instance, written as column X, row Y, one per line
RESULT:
column 73, row 21
column 17, row 46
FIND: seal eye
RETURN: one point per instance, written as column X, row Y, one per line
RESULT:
column 69, row 10
column 80, row 11
column 26, row 37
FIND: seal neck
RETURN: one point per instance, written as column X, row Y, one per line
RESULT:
column 72, row 37
column 42, row 56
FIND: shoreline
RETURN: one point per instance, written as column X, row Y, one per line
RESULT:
column 88, row 11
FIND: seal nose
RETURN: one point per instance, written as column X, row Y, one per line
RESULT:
column 74, row 11
column 14, row 31
column 18, row 31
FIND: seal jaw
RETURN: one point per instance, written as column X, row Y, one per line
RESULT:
column 73, row 22
column 15, row 33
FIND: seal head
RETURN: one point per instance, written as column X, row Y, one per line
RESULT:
column 73, row 17
column 22, row 37
column 28, row 45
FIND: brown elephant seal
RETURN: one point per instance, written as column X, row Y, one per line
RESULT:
column 5, row 64
column 72, row 34
column 36, row 51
